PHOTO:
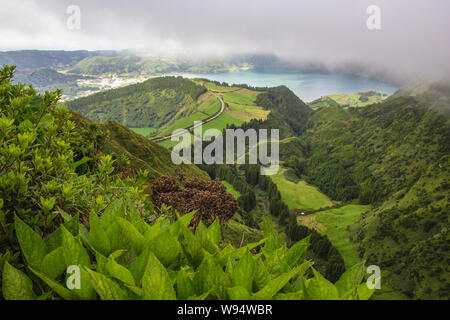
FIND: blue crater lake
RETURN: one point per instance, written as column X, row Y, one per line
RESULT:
column 308, row 86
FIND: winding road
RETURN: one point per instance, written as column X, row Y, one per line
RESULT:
column 222, row 108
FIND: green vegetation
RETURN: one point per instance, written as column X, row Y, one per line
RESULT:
column 144, row 131
column 354, row 100
column 231, row 189
column 152, row 103
column 336, row 224
column 77, row 206
column 300, row 195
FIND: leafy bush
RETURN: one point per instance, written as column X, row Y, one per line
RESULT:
column 49, row 165
column 123, row 257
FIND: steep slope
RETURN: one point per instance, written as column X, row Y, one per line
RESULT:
column 134, row 152
column 394, row 155
column 152, row 103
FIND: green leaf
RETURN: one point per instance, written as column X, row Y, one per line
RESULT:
column 297, row 253
column 275, row 285
column 185, row 285
column 192, row 247
column 53, row 264
column 16, row 285
column 113, row 210
column 244, row 272
column 262, row 276
column 74, row 253
column 119, row 272
column 273, row 240
column 33, row 247
column 156, row 283
column 72, row 225
column 62, row 291
column 106, row 288
column 238, row 293
column 320, row 288
column 123, row 235
column 214, row 232
column 351, row 278
column 364, row 293
column 210, row 276
column 138, row 267
column 97, row 235
column 166, row 248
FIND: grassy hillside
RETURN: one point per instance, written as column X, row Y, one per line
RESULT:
column 345, row 100
column 152, row 103
column 392, row 154
column 134, row 152
column 298, row 194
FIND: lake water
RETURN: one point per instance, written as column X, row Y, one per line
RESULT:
column 307, row 86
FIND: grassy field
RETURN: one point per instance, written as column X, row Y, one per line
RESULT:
column 360, row 99
column 144, row 131
column 300, row 195
column 335, row 223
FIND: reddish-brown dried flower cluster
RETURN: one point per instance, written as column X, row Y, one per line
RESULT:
column 209, row 197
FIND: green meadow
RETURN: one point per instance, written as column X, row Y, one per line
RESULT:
column 299, row 194
column 144, row 131
column 336, row 222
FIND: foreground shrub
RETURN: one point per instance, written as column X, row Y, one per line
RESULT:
column 123, row 257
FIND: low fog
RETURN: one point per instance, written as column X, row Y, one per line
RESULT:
column 413, row 40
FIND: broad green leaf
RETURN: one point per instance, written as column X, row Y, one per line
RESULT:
column 185, row 285
column 53, row 264
column 186, row 219
column 119, row 272
column 114, row 210
column 297, row 253
column 192, row 247
column 210, row 276
column 97, row 235
column 214, row 232
column 139, row 266
column 105, row 287
column 273, row 240
column 350, row 279
column 62, row 291
column 364, row 293
column 156, row 283
column 244, row 272
column 275, row 285
column 238, row 293
column 262, row 276
column 151, row 232
column 74, row 253
column 320, row 288
column 166, row 248
column 123, row 235
column 33, row 247
column 16, row 285
column 72, row 225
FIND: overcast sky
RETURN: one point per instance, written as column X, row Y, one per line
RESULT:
column 414, row 35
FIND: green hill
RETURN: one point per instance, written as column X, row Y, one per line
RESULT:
column 134, row 152
column 394, row 155
column 152, row 103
